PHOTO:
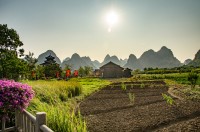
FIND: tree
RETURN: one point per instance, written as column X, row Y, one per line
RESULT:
column 192, row 78
column 51, row 70
column 9, row 41
column 137, row 71
column 31, row 61
column 10, row 65
column 67, row 67
column 39, row 71
column 88, row 70
column 81, row 71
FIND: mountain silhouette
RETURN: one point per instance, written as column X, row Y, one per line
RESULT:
column 113, row 59
column 186, row 62
column 196, row 61
column 76, row 62
column 132, row 62
column 163, row 58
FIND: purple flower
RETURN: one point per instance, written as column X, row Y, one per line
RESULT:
column 14, row 95
column 1, row 104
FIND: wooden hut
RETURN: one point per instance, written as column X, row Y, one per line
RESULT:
column 111, row 70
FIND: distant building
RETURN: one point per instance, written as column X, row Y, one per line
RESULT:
column 51, row 68
column 112, row 70
column 49, row 60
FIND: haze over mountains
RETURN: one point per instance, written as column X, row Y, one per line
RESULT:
column 163, row 58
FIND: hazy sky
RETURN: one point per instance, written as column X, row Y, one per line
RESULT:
column 80, row 26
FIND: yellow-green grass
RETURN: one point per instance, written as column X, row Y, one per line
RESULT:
column 180, row 78
column 184, row 90
column 59, row 99
column 178, row 81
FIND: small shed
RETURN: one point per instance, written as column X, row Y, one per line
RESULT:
column 111, row 70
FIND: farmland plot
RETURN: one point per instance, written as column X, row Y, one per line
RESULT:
column 112, row 109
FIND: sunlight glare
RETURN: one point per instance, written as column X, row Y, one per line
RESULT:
column 112, row 18
column 109, row 29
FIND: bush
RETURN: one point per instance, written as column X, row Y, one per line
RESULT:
column 123, row 86
column 14, row 96
column 192, row 78
column 168, row 99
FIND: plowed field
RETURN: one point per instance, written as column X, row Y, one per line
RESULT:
column 110, row 109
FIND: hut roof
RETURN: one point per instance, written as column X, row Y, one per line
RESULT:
column 111, row 63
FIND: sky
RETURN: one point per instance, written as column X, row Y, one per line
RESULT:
column 81, row 26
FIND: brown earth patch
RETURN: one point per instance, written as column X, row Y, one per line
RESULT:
column 110, row 110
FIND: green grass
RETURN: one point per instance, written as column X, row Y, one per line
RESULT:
column 168, row 99
column 131, row 97
column 91, row 85
column 123, row 86
column 59, row 100
column 179, row 78
column 177, row 81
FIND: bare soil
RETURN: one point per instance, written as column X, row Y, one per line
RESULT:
column 110, row 109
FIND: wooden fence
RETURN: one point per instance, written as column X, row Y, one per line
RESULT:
column 26, row 122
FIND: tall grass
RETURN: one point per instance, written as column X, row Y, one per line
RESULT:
column 59, row 100
column 123, row 86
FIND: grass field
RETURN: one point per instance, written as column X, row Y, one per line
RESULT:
column 59, row 100
column 179, row 78
column 178, row 81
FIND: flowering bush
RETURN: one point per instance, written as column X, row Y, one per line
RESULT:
column 14, row 96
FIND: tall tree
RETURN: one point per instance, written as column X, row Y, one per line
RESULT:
column 10, row 65
column 31, row 61
column 51, row 70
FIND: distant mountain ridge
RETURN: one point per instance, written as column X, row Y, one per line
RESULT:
column 196, row 60
column 163, row 58
column 114, row 59
column 76, row 62
column 186, row 62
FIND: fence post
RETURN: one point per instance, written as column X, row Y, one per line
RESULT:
column 40, row 120
column 3, row 124
column 18, row 121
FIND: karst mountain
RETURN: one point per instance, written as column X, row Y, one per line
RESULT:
column 163, row 58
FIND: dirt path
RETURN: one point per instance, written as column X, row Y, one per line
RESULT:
column 110, row 110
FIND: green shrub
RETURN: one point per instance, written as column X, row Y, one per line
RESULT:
column 131, row 97
column 192, row 78
column 168, row 99
column 123, row 87
column 142, row 85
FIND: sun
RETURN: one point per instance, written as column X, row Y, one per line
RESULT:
column 111, row 19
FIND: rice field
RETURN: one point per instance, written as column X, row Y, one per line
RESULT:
column 59, row 99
